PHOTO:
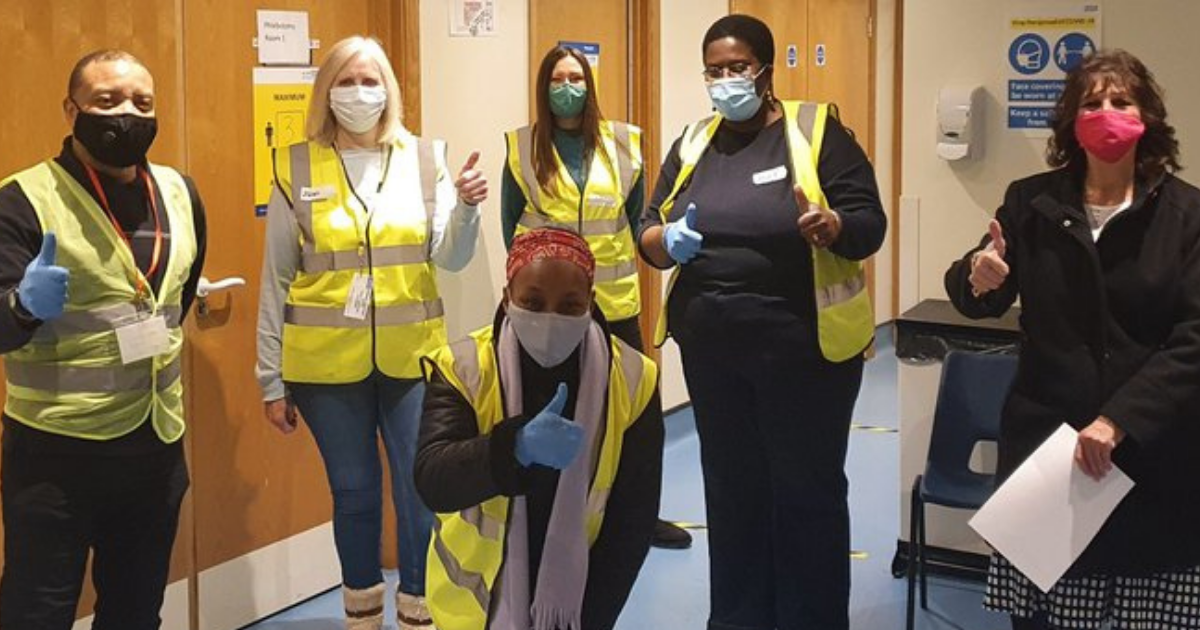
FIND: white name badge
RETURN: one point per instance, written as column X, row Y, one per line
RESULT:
column 141, row 337
column 358, row 304
column 770, row 175
column 316, row 194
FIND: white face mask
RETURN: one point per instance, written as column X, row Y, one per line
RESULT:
column 358, row 107
column 548, row 337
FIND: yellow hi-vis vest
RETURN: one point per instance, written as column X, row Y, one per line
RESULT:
column 339, row 240
column 69, row 379
column 597, row 212
column 467, row 548
column 845, row 322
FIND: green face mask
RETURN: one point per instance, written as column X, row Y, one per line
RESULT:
column 567, row 100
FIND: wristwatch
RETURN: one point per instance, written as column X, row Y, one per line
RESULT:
column 23, row 316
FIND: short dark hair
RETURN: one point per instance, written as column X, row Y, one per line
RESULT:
column 97, row 56
column 1157, row 151
column 744, row 28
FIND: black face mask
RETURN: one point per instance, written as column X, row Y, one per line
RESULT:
column 121, row 140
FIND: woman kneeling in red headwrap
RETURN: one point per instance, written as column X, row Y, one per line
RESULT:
column 540, row 451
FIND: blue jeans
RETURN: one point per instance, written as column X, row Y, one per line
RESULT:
column 346, row 420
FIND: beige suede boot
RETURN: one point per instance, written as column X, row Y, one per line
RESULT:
column 412, row 613
column 364, row 607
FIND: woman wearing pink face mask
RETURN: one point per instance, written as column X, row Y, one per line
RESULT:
column 1104, row 254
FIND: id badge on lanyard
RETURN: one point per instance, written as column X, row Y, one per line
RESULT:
column 141, row 336
column 144, row 334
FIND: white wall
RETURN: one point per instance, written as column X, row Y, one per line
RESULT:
column 684, row 100
column 472, row 90
column 965, row 41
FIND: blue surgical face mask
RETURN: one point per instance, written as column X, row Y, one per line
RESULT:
column 735, row 98
column 567, row 99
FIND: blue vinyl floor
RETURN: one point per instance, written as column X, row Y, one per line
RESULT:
column 672, row 591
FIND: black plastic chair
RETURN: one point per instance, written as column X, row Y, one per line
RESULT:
column 969, row 400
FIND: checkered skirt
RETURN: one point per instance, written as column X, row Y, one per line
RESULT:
column 1163, row 601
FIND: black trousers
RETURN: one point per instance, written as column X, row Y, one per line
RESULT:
column 58, row 506
column 773, row 418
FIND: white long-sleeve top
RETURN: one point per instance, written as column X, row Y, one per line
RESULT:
column 455, row 231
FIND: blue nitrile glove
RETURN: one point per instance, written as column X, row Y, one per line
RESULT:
column 681, row 238
column 43, row 290
column 550, row 439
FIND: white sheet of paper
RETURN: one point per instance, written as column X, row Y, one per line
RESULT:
column 1048, row 511
column 283, row 38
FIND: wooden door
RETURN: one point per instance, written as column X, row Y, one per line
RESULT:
column 604, row 22
column 41, row 43
column 835, row 61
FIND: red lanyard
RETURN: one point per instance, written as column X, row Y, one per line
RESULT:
column 158, row 235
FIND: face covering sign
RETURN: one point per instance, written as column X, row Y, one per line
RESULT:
column 1045, row 40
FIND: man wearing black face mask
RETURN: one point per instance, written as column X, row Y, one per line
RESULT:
column 100, row 255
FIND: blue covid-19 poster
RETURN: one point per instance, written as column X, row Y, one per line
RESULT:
column 1045, row 41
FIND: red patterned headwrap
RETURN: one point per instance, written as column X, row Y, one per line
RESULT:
column 554, row 243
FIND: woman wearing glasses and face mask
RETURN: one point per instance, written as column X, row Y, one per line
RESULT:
column 360, row 215
column 765, row 210
column 578, row 171
column 541, row 452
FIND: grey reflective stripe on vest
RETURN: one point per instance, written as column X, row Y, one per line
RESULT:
column 699, row 130
column 525, row 157
column 97, row 321
column 632, row 367
column 598, row 500
column 624, row 156
column 428, row 170
column 301, row 159
column 466, row 366
column 616, row 272
column 398, row 315
column 592, row 227
column 391, row 256
column 844, row 291
column 74, row 379
column 806, row 120
column 487, row 526
column 461, row 577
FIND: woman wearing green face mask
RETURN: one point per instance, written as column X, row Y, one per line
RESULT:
column 575, row 170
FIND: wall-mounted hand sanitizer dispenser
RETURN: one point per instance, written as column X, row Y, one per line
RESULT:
column 958, row 113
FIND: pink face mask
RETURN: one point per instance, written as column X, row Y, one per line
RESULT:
column 1108, row 134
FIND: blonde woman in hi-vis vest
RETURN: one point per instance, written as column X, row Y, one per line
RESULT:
column 576, row 170
column 360, row 216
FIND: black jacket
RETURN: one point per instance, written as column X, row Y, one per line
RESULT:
column 457, row 468
column 1109, row 327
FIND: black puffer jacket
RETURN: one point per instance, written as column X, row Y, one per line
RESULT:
column 1110, row 327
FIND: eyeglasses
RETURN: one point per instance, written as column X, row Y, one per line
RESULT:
column 738, row 70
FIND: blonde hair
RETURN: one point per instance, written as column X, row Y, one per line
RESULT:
column 322, row 125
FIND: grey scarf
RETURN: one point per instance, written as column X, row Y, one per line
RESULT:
column 557, row 602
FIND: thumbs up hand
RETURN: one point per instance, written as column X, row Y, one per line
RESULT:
column 680, row 237
column 43, row 289
column 550, row 439
column 471, row 183
column 819, row 227
column 988, row 269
